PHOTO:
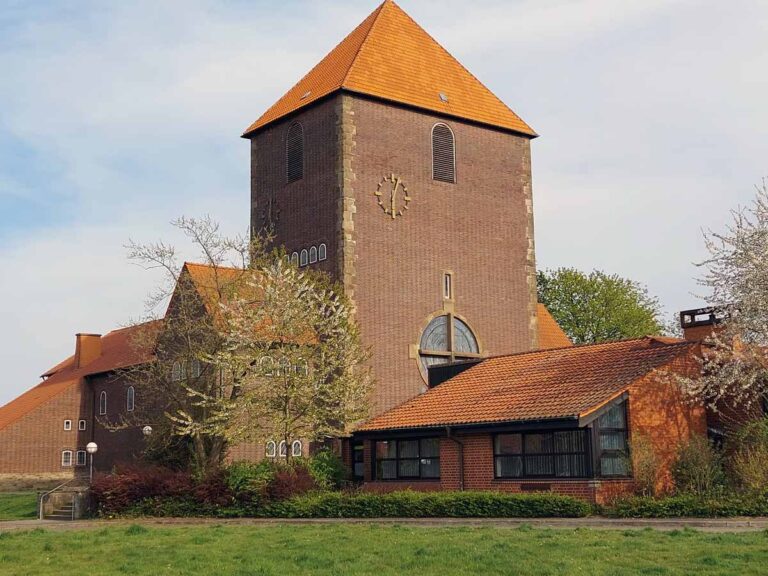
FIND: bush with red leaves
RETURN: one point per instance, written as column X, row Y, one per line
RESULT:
column 290, row 480
column 129, row 484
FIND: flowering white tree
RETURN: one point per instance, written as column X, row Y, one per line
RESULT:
column 734, row 361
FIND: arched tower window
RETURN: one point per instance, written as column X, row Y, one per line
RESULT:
column 443, row 154
column 322, row 252
column 313, row 255
column 294, row 153
column 130, row 399
column 447, row 339
column 103, row 403
column 271, row 449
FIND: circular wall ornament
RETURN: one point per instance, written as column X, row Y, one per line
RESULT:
column 392, row 196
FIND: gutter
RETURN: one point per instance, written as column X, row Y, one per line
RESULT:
column 460, row 444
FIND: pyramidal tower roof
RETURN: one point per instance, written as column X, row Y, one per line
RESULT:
column 391, row 57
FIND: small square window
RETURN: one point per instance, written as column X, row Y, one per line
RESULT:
column 81, row 425
column 66, row 458
column 67, row 424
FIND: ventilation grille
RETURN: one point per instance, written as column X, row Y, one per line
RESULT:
column 294, row 153
column 443, row 154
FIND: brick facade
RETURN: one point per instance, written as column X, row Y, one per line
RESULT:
column 479, row 228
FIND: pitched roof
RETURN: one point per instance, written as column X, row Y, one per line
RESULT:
column 550, row 333
column 118, row 350
column 543, row 385
column 389, row 56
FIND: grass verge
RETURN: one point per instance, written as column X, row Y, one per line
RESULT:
column 18, row 505
column 380, row 551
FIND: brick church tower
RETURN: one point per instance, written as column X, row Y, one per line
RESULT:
column 396, row 171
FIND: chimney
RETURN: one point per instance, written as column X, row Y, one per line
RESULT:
column 700, row 323
column 87, row 349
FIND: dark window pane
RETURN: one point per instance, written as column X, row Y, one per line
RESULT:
column 539, row 466
column 613, row 465
column 385, row 449
column 430, row 448
column 430, row 468
column 509, row 466
column 509, row 444
column 614, row 418
column 538, row 443
column 571, row 466
column 408, row 449
column 358, row 454
column 613, row 440
column 386, row 470
column 408, row 468
column 572, row 441
column 359, row 469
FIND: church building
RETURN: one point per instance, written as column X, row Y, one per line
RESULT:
column 393, row 169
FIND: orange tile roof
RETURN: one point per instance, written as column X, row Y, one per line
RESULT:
column 389, row 56
column 117, row 351
column 543, row 385
column 550, row 333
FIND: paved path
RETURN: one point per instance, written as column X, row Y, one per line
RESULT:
column 594, row 522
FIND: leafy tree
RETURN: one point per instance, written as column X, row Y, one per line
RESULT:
column 250, row 348
column 598, row 307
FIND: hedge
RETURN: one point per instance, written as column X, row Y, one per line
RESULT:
column 689, row 506
column 406, row 504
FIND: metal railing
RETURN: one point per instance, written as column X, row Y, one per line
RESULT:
column 45, row 496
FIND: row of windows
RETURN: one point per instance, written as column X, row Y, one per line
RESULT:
column 68, row 425
column 181, row 370
column 66, row 458
column 269, row 367
column 551, row 454
column 305, row 257
column 130, row 402
column 272, row 449
column 443, row 153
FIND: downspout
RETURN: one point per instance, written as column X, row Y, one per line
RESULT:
column 460, row 444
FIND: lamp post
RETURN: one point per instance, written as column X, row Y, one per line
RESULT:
column 147, row 431
column 92, row 448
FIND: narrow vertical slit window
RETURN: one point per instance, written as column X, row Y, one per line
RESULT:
column 448, row 286
column 130, row 399
column 103, row 403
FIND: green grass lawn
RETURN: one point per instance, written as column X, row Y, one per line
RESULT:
column 18, row 506
column 378, row 550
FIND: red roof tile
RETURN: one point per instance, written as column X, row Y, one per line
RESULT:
column 550, row 333
column 543, row 385
column 118, row 350
column 389, row 56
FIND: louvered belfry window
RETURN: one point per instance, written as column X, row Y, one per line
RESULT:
column 443, row 154
column 294, row 153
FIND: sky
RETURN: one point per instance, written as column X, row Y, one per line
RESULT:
column 117, row 117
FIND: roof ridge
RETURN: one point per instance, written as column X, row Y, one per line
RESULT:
column 587, row 345
column 375, row 19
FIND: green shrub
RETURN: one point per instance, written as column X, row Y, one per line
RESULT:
column 748, row 456
column 689, row 505
column 249, row 480
column 328, row 470
column 408, row 504
column 645, row 464
column 698, row 469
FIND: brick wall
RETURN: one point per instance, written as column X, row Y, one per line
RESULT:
column 480, row 228
column 33, row 444
column 117, row 433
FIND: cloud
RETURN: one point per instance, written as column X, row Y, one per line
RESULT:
column 116, row 117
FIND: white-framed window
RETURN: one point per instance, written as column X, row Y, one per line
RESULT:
column 296, row 448
column 313, row 255
column 195, row 368
column 80, row 460
column 67, row 424
column 283, row 366
column 283, row 449
column 103, row 402
column 130, row 398
column 301, row 367
column 304, row 259
column 295, row 258
column 66, row 458
column 443, row 154
column 287, row 258
column 81, row 425
column 176, row 372
column 271, row 449
column 322, row 252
